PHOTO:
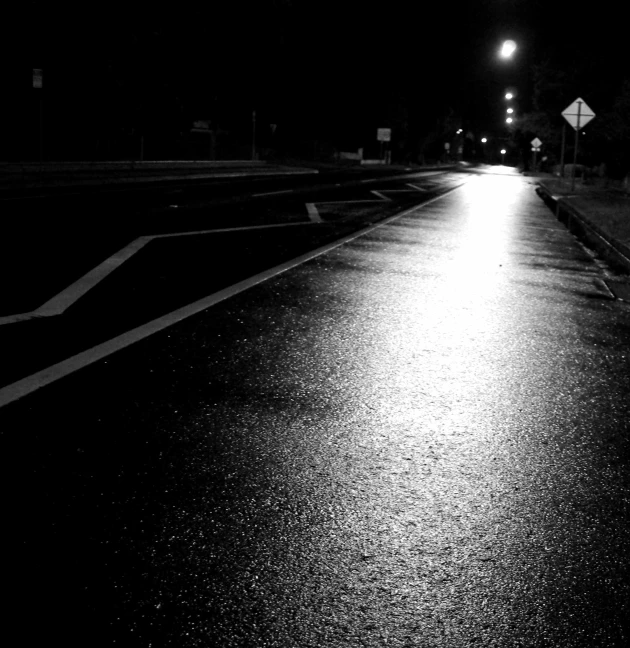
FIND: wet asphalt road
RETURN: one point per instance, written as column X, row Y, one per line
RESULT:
column 419, row 438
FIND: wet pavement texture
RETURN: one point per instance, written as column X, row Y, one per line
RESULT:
column 419, row 438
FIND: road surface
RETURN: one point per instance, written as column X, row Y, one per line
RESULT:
column 418, row 437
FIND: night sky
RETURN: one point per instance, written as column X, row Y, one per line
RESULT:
column 323, row 68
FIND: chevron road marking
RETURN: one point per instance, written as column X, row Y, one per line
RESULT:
column 63, row 300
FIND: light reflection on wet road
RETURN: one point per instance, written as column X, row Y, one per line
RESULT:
column 418, row 439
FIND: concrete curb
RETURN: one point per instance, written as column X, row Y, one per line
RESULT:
column 578, row 223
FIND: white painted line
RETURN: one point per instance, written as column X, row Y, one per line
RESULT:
column 18, row 317
column 32, row 383
column 416, row 187
column 273, row 193
column 245, row 228
column 420, row 174
column 63, row 300
column 71, row 294
column 313, row 214
column 381, row 196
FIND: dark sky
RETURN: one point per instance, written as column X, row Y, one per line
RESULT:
column 312, row 60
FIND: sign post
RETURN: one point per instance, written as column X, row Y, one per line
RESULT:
column 536, row 144
column 383, row 135
column 578, row 114
column 37, row 83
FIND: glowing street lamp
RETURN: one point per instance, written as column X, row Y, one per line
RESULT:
column 509, row 120
column 509, row 95
column 510, row 111
column 484, row 139
column 508, row 48
column 503, row 151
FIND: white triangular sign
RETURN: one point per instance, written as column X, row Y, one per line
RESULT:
column 578, row 114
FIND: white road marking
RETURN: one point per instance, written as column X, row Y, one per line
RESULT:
column 51, row 374
column 420, row 174
column 222, row 230
column 273, row 193
column 72, row 293
column 415, row 189
column 313, row 214
column 63, row 300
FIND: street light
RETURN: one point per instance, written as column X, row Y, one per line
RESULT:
column 503, row 156
column 509, row 95
column 509, row 120
column 510, row 111
column 508, row 48
column 484, row 139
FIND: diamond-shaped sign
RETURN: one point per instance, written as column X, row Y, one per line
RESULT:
column 578, row 114
column 536, row 143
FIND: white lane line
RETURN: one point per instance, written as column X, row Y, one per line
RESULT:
column 422, row 174
column 244, row 228
column 63, row 300
column 378, row 194
column 51, row 374
column 72, row 293
column 273, row 193
column 313, row 213
column 414, row 189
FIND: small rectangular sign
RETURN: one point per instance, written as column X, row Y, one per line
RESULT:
column 384, row 134
column 37, row 77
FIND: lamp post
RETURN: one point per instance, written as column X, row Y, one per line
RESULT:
column 503, row 156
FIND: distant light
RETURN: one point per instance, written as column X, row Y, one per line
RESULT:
column 509, row 95
column 484, row 139
column 510, row 110
column 509, row 47
column 509, row 120
column 503, row 151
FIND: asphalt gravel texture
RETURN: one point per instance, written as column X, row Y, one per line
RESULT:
column 417, row 439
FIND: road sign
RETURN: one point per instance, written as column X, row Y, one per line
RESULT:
column 384, row 134
column 578, row 114
column 37, row 77
column 201, row 126
column 536, row 143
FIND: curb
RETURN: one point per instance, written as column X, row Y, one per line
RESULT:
column 578, row 223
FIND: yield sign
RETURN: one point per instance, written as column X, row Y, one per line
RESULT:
column 536, row 142
column 578, row 114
